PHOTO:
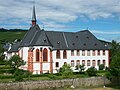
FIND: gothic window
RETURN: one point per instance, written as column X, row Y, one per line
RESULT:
column 37, row 55
column 45, row 55
column 64, row 54
column 58, row 54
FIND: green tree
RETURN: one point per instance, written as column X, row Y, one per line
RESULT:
column 92, row 71
column 115, row 47
column 15, row 61
column 66, row 71
column 115, row 65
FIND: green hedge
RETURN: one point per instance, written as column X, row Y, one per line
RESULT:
column 6, row 71
column 6, row 76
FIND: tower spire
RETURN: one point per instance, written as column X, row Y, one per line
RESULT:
column 33, row 16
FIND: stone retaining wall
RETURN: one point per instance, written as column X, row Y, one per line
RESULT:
column 31, row 85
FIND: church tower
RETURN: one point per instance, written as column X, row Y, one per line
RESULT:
column 33, row 16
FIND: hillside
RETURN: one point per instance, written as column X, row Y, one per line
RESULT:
column 11, row 35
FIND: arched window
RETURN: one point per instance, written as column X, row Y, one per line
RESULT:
column 37, row 55
column 78, row 53
column 83, row 52
column 83, row 62
column 77, row 62
column 104, row 62
column 64, row 54
column 72, row 63
column 98, row 62
column 93, row 63
column 88, row 53
column 88, row 63
column 72, row 52
column 58, row 54
column 103, row 52
column 93, row 52
column 45, row 55
column 98, row 52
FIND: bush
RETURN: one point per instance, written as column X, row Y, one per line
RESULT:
column 92, row 71
column 101, row 67
column 66, row 71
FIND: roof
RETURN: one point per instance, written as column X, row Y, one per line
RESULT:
column 83, row 40
column 14, row 47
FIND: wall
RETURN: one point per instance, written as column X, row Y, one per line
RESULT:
column 31, row 85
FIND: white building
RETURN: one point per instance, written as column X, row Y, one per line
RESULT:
column 47, row 51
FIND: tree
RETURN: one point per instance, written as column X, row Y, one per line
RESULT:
column 66, row 71
column 115, row 65
column 115, row 47
column 92, row 71
column 15, row 61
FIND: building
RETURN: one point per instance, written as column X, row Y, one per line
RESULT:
column 47, row 51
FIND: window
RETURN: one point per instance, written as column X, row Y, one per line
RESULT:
column 103, row 52
column 88, row 63
column 45, row 55
column 93, row 63
column 98, row 62
column 88, row 53
column 78, row 53
column 98, row 52
column 58, row 54
column 93, row 52
column 57, row 64
column 83, row 62
column 64, row 54
column 65, row 63
column 37, row 55
column 83, row 52
column 72, row 63
column 77, row 62
column 104, row 62
column 72, row 52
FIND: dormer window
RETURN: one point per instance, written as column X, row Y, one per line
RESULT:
column 76, row 36
column 84, row 44
column 73, row 44
column 44, row 40
column 87, row 37
column 58, row 42
column 95, row 44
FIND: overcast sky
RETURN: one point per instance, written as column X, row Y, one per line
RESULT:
column 101, row 17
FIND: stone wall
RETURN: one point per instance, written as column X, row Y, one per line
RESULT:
column 31, row 85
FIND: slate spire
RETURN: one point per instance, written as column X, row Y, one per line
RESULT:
column 33, row 16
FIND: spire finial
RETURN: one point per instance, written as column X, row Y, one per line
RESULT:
column 33, row 15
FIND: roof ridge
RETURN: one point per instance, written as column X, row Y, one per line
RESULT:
column 65, row 40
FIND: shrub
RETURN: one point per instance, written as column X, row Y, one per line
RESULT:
column 101, row 67
column 92, row 71
column 66, row 71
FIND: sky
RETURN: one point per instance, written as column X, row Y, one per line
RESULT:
column 101, row 17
